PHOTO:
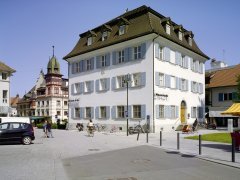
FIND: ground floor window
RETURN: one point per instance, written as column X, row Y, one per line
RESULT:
column 120, row 111
column 136, row 111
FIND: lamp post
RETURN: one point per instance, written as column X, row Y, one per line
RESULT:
column 127, row 80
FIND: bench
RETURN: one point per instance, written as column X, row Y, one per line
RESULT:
column 236, row 136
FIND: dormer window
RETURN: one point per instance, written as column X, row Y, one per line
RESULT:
column 104, row 36
column 180, row 35
column 89, row 41
column 190, row 41
column 122, row 29
column 189, row 37
column 167, row 29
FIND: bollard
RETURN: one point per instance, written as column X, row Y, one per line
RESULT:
column 178, row 141
column 233, row 149
column 138, row 135
column 147, row 136
column 200, row 144
column 160, row 138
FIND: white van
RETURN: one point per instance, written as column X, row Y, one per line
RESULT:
column 15, row 119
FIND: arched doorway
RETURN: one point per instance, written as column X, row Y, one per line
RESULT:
column 183, row 112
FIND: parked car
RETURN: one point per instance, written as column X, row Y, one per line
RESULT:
column 16, row 131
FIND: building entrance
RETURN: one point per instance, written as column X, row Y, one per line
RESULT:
column 183, row 112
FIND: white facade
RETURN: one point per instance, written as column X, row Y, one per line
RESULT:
column 149, row 94
column 4, row 93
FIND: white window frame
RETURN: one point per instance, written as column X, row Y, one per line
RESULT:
column 173, row 82
column 168, row 29
column 4, row 76
column 161, row 111
column 102, row 84
column 58, row 103
column 122, row 29
column 76, row 88
column 88, row 64
column 137, row 52
column 121, row 81
column 87, row 86
column 121, row 56
column 137, row 111
column 161, row 80
column 161, row 53
column 103, row 112
column 103, row 61
column 136, row 79
column 88, row 112
column 173, row 112
column 120, row 112
column 183, row 84
column 104, row 36
column 180, row 35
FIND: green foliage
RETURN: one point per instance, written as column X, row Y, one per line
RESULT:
column 40, row 126
column 215, row 137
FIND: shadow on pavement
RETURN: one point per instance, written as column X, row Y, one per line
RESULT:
column 224, row 147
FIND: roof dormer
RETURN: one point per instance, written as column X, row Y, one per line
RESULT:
column 123, row 26
column 179, row 31
column 106, row 30
column 166, row 22
column 189, row 37
column 91, row 35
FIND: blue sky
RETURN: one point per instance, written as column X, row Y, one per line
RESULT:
column 29, row 28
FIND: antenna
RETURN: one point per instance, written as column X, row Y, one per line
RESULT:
column 53, row 50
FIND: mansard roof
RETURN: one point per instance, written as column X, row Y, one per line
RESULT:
column 6, row 68
column 140, row 21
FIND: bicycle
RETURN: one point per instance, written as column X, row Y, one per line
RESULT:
column 100, row 127
column 113, row 129
column 137, row 129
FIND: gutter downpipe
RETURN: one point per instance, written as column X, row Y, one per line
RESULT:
column 154, row 83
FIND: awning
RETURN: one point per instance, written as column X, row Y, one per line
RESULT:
column 233, row 110
column 37, row 117
column 218, row 114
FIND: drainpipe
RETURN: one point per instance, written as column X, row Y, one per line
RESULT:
column 153, row 84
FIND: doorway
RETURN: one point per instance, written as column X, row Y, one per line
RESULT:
column 183, row 112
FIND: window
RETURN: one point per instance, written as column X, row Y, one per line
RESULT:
column 161, row 53
column 180, row 35
column 173, row 112
column 88, row 64
column 167, row 29
column 5, row 96
column 103, row 84
column 103, row 61
column 77, row 88
column 161, row 111
column 4, row 126
column 59, row 113
column 103, row 112
column 121, row 56
column 120, row 81
column 77, row 112
column 65, row 113
column 4, row 76
column 136, row 79
column 47, row 103
column 230, row 96
column 161, row 79
column 42, row 103
column 190, row 41
column 194, row 87
column 104, row 36
column 194, row 112
column 87, row 86
column 88, row 112
column 42, row 112
column 183, row 84
column 136, row 111
column 173, row 82
column 120, row 111
column 58, row 103
column 89, row 41
column 137, row 52
column 56, row 90
column 122, row 30
column 65, row 103
column 38, row 103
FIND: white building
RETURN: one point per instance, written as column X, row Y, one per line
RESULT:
column 5, row 73
column 165, row 66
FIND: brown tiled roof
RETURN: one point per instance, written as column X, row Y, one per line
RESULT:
column 6, row 68
column 224, row 77
column 14, row 101
column 142, row 21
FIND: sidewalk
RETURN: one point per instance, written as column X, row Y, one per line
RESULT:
column 216, row 152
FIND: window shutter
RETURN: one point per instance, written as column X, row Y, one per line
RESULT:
column 72, row 89
column 157, row 79
column 84, row 65
column 234, row 96
column 166, row 54
column 72, row 113
column 92, row 86
column 157, row 111
column 220, row 97
column 157, row 51
column 166, row 111
column 143, row 50
column 143, row 78
column 97, row 112
column 73, row 68
column 108, row 84
column 180, row 83
column 177, row 58
column 97, row 85
column 113, row 83
column 81, row 87
column 143, row 111
column 191, row 63
column 113, row 112
column 192, row 86
column 130, row 111
column 167, row 80
column 108, row 59
column 200, row 88
column 177, row 82
column 107, row 112
column 126, row 55
column 186, row 61
column 82, row 113
column 192, row 116
column 187, row 85
column 81, row 66
column 92, row 63
column 200, row 112
column 114, row 58
column 98, row 62
column 92, row 112
column 177, row 111
column 130, row 53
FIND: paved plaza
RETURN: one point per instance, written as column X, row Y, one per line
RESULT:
column 114, row 156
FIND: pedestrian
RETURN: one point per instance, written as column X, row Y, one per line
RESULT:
column 49, row 129
column 45, row 129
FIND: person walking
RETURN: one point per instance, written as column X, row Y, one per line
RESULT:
column 45, row 129
column 49, row 129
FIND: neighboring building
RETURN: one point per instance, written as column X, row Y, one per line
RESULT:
column 5, row 73
column 221, row 92
column 165, row 66
column 49, row 97
column 13, row 104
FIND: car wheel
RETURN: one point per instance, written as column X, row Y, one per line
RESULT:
column 26, row 140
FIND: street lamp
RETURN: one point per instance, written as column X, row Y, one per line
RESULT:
column 127, row 80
